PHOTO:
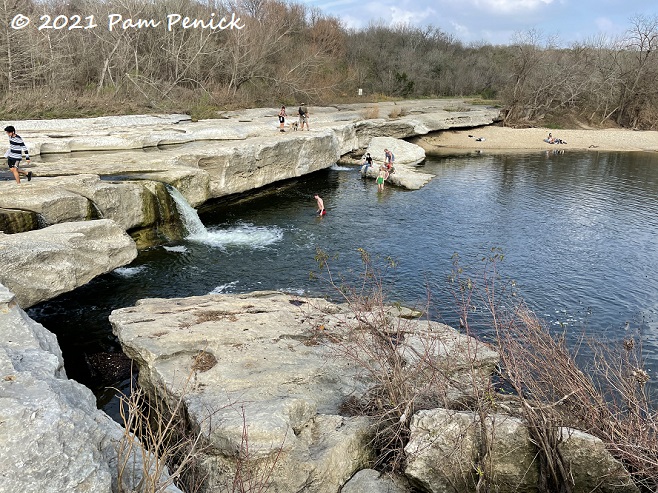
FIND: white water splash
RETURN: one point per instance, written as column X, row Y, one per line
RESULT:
column 129, row 271
column 242, row 235
column 336, row 167
column 177, row 248
column 245, row 235
column 224, row 288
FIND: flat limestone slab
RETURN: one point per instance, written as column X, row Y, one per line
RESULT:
column 278, row 363
column 41, row 264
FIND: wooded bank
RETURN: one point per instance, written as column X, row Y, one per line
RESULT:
column 287, row 53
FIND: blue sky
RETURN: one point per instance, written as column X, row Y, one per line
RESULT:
column 496, row 21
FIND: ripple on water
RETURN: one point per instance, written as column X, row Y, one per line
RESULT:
column 129, row 271
column 579, row 232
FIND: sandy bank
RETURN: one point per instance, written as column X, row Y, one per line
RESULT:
column 504, row 138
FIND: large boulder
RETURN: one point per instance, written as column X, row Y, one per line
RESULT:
column 591, row 465
column 277, row 366
column 444, row 454
column 53, row 439
column 406, row 154
column 127, row 203
column 41, row 264
column 252, row 370
column 407, row 157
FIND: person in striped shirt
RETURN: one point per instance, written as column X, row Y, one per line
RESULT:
column 15, row 154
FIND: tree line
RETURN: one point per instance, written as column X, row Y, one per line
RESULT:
column 288, row 52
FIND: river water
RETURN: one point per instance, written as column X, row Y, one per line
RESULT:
column 579, row 232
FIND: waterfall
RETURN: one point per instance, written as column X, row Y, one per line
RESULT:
column 239, row 235
column 188, row 214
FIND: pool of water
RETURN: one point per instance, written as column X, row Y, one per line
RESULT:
column 579, row 232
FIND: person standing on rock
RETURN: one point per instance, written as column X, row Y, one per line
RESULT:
column 303, row 117
column 282, row 118
column 321, row 209
column 388, row 160
column 15, row 154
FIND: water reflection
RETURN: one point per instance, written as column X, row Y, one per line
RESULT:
column 579, row 232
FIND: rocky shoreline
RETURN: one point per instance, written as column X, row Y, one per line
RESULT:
column 285, row 374
column 203, row 160
column 266, row 359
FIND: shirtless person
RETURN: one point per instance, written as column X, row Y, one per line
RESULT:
column 321, row 210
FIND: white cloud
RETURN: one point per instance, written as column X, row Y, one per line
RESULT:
column 413, row 17
column 509, row 6
column 351, row 22
column 461, row 31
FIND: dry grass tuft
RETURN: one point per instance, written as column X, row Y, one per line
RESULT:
column 370, row 113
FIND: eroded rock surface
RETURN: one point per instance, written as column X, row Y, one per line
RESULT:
column 53, row 439
column 280, row 359
column 41, row 264
column 444, row 450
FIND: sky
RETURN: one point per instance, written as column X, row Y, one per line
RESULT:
column 496, row 21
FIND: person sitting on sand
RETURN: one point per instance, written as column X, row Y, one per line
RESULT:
column 552, row 140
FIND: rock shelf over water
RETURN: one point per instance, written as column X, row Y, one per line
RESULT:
column 286, row 368
column 76, row 179
column 281, row 360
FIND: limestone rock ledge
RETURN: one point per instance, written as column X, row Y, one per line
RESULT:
column 240, row 152
column 53, row 439
column 278, row 359
column 41, row 264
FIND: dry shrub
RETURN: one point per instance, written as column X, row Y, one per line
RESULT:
column 252, row 476
column 159, row 449
column 370, row 113
column 550, row 389
column 610, row 397
column 398, row 354
column 398, row 112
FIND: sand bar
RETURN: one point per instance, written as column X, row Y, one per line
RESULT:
column 506, row 138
